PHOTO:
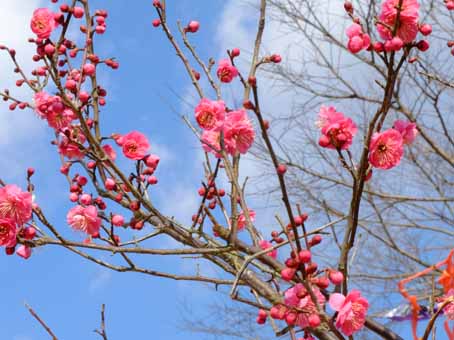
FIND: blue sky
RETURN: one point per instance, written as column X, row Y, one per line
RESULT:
column 149, row 92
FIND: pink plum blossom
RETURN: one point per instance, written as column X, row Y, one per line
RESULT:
column 238, row 132
column 211, row 142
column 60, row 120
column 41, row 100
column 8, row 231
column 298, row 297
column 337, row 130
column 110, row 152
column 210, row 114
column 351, row 310
column 407, row 28
column 15, row 204
column 135, row 145
column 84, row 219
column 266, row 245
column 407, row 129
column 24, row 251
column 386, row 149
column 69, row 147
column 242, row 219
column 226, row 71
column 43, row 23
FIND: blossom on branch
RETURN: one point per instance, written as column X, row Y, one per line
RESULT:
column 386, row 149
column 407, row 26
column 351, row 310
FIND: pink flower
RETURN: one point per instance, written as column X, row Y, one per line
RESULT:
column 41, row 100
column 449, row 309
column 407, row 129
column 337, row 130
column 110, row 152
column 60, row 120
column 386, row 149
column 24, row 251
column 298, row 297
column 84, row 219
column 407, row 28
column 238, row 135
column 351, row 310
column 135, row 145
column 210, row 114
column 226, row 71
column 238, row 132
column 43, row 23
column 68, row 146
column 8, row 232
column 15, row 204
column 357, row 40
column 242, row 219
column 211, row 142
column 266, row 245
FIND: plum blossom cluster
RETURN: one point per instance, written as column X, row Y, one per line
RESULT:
column 397, row 26
column 304, row 302
column 337, row 130
column 73, row 114
column 15, row 213
column 386, row 148
column 231, row 130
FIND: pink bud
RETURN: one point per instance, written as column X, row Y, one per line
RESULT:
column 82, row 180
column 78, row 12
column 30, row 172
column 156, row 22
column 290, row 318
column 29, row 233
column 336, row 277
column 260, row 321
column 118, row 220
column 425, row 29
column 89, row 69
column 235, row 52
column 288, row 273
column 278, row 312
column 314, row 320
column 423, row 45
column 24, row 251
column 315, row 240
column 71, row 85
column 100, row 29
column 73, row 197
column 85, row 199
column 262, row 314
column 397, row 43
column 152, row 161
column 305, row 256
column 276, row 58
column 281, row 169
column 322, row 282
column 152, row 180
column 49, row 49
column 193, row 26
column 110, row 184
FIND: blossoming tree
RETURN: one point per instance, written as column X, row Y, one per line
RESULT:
column 282, row 275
